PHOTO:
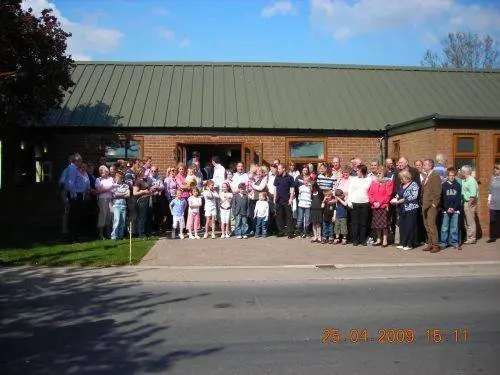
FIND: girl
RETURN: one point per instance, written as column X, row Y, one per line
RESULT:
column 304, row 207
column 225, row 210
column 121, row 191
column 191, row 178
column 261, row 215
column 380, row 194
column 328, row 206
column 340, row 217
column 177, row 207
column 253, row 196
column 316, row 212
column 210, row 195
column 193, row 221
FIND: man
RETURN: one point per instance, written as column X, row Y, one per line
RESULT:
column 419, row 166
column 64, row 196
column 219, row 173
column 283, row 199
column 431, row 198
column 373, row 170
column 239, row 177
column 195, row 159
column 391, row 171
column 355, row 163
column 273, row 171
column 75, row 186
column 158, row 200
column 147, row 166
column 469, row 199
column 336, row 170
column 440, row 167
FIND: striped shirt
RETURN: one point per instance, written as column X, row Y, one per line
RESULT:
column 326, row 182
column 304, row 196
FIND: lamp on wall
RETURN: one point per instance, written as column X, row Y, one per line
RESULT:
column 45, row 147
column 22, row 145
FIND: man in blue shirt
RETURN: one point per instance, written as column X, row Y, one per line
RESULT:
column 75, row 186
column 285, row 186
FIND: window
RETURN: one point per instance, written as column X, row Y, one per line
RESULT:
column 43, row 167
column 465, row 151
column 496, row 148
column 306, row 150
column 125, row 149
column 396, row 149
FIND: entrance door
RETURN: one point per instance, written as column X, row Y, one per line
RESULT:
column 180, row 153
column 252, row 153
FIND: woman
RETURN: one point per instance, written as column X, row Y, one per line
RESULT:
column 380, row 194
column 104, row 187
column 345, row 180
column 170, row 184
column 407, row 200
column 292, row 170
column 359, row 202
column 494, row 204
column 142, row 192
column 180, row 178
column 325, row 178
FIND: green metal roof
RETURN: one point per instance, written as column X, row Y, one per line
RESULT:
column 270, row 96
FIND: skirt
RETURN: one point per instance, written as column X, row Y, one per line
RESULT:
column 380, row 218
column 316, row 215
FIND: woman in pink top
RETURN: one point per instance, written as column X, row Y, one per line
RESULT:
column 380, row 194
column 180, row 178
column 345, row 181
column 104, row 188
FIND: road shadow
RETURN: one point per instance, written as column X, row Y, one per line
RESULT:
column 74, row 324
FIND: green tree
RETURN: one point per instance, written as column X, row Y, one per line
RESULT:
column 464, row 50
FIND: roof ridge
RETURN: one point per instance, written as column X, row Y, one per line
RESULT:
column 290, row 65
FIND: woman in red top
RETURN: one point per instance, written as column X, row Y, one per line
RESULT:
column 380, row 194
column 180, row 178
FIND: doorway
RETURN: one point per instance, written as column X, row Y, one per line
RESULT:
column 229, row 154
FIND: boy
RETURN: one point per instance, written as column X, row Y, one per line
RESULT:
column 240, row 211
column 261, row 215
column 451, row 196
column 328, row 212
column 340, row 217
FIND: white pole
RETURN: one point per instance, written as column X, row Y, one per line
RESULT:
column 130, row 244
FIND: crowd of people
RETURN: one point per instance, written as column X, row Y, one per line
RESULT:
column 427, row 203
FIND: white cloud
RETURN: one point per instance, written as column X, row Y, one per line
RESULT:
column 278, row 7
column 185, row 43
column 345, row 19
column 161, row 11
column 86, row 38
column 166, row 34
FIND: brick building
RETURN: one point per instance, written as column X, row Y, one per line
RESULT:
column 260, row 112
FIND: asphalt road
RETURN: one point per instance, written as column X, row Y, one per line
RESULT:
column 69, row 325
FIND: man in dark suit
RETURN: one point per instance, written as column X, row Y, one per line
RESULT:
column 431, row 198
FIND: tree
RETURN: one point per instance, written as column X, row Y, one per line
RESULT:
column 34, row 68
column 464, row 50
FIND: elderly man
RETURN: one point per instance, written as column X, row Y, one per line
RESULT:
column 336, row 168
column 391, row 170
column 440, row 166
column 355, row 163
column 431, row 198
column 469, row 199
column 373, row 170
column 75, row 187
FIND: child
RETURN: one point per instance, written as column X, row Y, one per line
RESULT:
column 210, row 195
column 261, row 215
column 225, row 210
column 304, row 207
column 121, row 191
column 340, row 217
column 240, row 211
column 451, row 196
column 193, row 220
column 328, row 208
column 253, row 175
column 177, row 207
column 316, row 212
column 191, row 178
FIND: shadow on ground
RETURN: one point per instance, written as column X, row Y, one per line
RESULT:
column 72, row 324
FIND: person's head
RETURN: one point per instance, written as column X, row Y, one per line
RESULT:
column 402, row 163
column 190, row 172
column 277, row 161
column 381, row 172
column 112, row 170
column 292, row 167
column 428, row 165
column 229, row 174
column 496, row 169
column 181, row 169
column 83, row 168
column 215, row 160
column 119, row 177
column 178, row 194
column 346, row 171
column 148, row 163
column 102, row 160
column 154, row 170
column 274, row 168
column 441, row 159
column 253, row 168
column 263, row 171
column 322, row 169
column 195, row 168
column 362, row 171
column 466, row 171
column 196, row 155
column 225, row 187
column 336, row 163
column 451, row 174
column 240, row 168
column 306, row 179
column 262, row 196
column 195, row 192
column 311, row 167
column 281, row 169
column 374, row 166
column 358, row 162
column 77, row 160
column 389, row 163
column 90, row 168
column 419, row 165
column 315, row 187
column 339, row 193
column 242, row 187
column 103, row 171
column 138, row 171
column 353, row 162
column 328, row 194
column 405, row 176
column 305, row 170
column 208, row 184
column 171, row 171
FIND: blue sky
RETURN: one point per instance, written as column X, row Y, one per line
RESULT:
column 367, row 32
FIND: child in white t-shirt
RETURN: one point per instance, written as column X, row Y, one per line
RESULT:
column 193, row 220
column 225, row 210
column 261, row 215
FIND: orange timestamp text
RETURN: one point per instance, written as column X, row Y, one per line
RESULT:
column 394, row 336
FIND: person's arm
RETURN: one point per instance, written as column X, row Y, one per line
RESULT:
column 266, row 211
column 473, row 193
column 70, row 182
column 436, row 190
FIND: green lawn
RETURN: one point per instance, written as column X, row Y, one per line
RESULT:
column 88, row 254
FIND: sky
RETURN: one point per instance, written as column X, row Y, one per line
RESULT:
column 354, row 32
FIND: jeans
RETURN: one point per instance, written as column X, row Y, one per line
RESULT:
column 251, row 221
column 303, row 219
column 327, row 229
column 449, row 230
column 119, row 217
column 241, row 225
column 260, row 226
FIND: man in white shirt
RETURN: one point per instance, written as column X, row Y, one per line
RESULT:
column 239, row 177
column 219, row 173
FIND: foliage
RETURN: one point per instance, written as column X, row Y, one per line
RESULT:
column 464, row 50
column 34, row 67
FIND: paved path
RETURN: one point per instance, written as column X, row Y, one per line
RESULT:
column 275, row 251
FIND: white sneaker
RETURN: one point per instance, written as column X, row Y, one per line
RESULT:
column 239, row 237
column 196, row 236
column 400, row 247
column 406, row 248
column 245, row 236
column 190, row 235
column 181, row 236
column 213, row 235
column 205, row 235
column 228, row 235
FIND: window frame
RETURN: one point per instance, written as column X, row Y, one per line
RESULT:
column 496, row 152
column 396, row 155
column 139, row 139
column 289, row 159
column 471, row 155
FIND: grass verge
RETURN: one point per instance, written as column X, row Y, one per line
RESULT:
column 87, row 254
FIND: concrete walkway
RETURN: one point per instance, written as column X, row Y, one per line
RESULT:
column 275, row 252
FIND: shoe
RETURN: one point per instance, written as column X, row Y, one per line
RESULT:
column 190, row 235
column 469, row 242
column 228, row 235
column 336, row 241
column 490, row 240
column 324, row 241
column 377, row 244
column 435, row 249
column 330, row 242
column 256, row 236
column 222, row 235
column 181, row 236
column 400, row 247
column 344, row 242
column 196, row 236
column 355, row 244
column 245, row 236
column 205, row 235
column 457, row 247
column 173, row 235
column 427, row 247
column 364, row 244
column 303, row 235
column 384, row 245
column 239, row 237
column 291, row 236
column 406, row 248
column 213, row 235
